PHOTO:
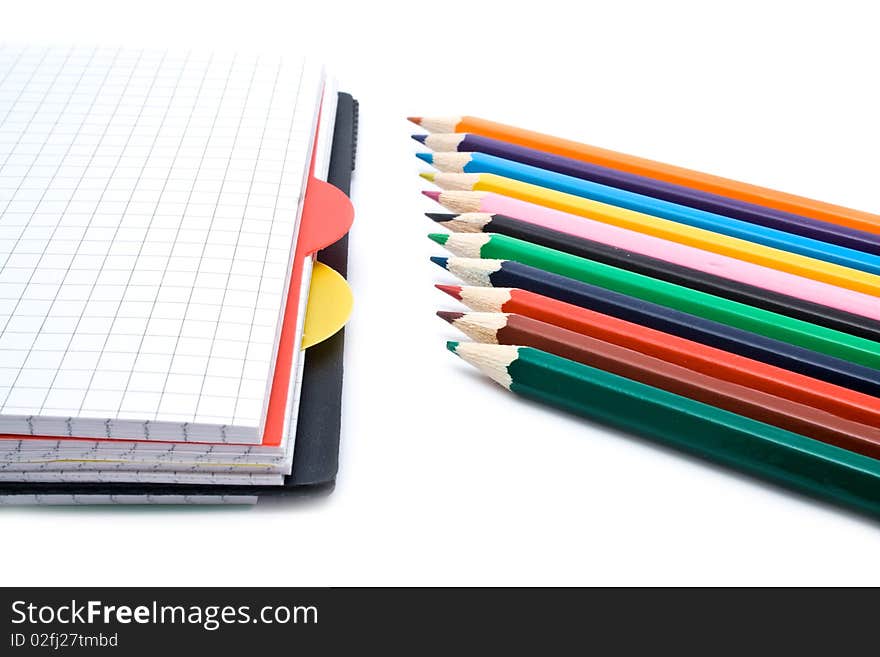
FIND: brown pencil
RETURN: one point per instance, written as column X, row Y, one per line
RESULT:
column 511, row 329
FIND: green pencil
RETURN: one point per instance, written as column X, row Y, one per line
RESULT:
column 788, row 458
column 763, row 322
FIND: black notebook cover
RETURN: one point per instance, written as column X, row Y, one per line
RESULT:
column 316, row 450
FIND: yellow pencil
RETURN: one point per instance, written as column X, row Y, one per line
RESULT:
column 490, row 193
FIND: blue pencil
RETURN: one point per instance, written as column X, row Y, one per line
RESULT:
column 482, row 163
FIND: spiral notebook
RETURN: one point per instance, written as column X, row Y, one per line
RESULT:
column 159, row 217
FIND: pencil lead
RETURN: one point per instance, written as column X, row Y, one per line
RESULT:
column 426, row 157
column 440, row 238
column 452, row 290
column 449, row 315
column 439, row 260
column 434, row 196
column 440, row 217
column 428, row 175
column 420, row 138
column 452, row 345
column 415, row 119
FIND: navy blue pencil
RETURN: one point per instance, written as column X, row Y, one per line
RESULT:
column 756, row 214
column 507, row 273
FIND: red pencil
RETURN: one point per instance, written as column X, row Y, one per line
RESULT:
column 723, row 365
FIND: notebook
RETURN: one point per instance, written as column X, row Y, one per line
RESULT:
column 159, row 213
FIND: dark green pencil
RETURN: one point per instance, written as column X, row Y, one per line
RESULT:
column 760, row 449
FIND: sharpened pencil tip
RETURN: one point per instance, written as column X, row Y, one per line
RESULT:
column 439, row 260
column 426, row 157
column 415, row 119
column 434, row 196
column 428, row 175
column 440, row 238
column 420, row 138
column 449, row 315
column 452, row 345
column 452, row 290
column 440, row 217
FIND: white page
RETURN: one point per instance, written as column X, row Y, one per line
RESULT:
column 148, row 211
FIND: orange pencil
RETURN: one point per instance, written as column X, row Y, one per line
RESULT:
column 658, row 170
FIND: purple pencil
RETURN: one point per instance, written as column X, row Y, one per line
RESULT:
column 756, row 214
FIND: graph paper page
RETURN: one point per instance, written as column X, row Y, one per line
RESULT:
column 148, row 211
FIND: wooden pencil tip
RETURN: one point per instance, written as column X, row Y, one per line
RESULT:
column 428, row 175
column 449, row 315
column 420, row 138
column 440, row 238
column 415, row 119
column 452, row 290
column 426, row 157
column 440, row 217
column 452, row 345
column 434, row 196
column 440, row 261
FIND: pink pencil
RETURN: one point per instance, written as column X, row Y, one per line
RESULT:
column 680, row 254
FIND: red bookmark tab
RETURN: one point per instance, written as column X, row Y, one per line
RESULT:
column 326, row 217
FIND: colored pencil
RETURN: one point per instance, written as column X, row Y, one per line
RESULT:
column 665, row 271
column 680, row 215
column 763, row 322
column 669, row 173
column 449, row 144
column 517, row 330
column 731, row 367
column 506, row 273
column 494, row 167
column 769, row 452
column 738, row 270
column 529, row 202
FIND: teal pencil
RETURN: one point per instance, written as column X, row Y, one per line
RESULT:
column 787, row 458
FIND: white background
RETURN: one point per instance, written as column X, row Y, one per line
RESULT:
column 431, row 490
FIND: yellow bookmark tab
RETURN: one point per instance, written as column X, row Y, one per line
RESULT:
column 329, row 305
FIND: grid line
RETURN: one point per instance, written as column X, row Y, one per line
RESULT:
column 24, row 86
column 211, row 132
column 48, row 136
column 82, row 241
column 211, row 223
column 131, row 274
column 238, row 236
column 33, row 271
column 54, row 300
